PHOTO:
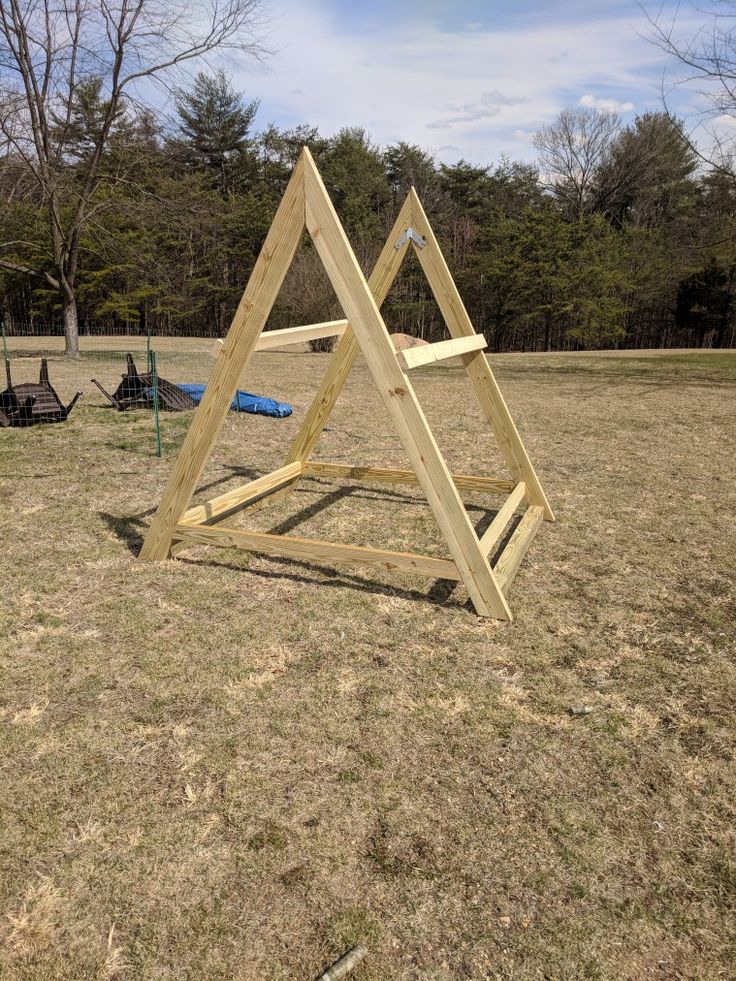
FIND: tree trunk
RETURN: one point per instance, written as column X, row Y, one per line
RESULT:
column 71, row 325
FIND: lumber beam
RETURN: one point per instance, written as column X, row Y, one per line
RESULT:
column 268, row 274
column 427, row 354
column 310, row 550
column 387, row 475
column 233, row 500
column 296, row 335
column 346, row 352
column 358, row 301
column 510, row 559
column 497, row 526
column 477, row 366
column 249, row 507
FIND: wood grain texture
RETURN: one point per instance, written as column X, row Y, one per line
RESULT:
column 398, row 396
column 233, row 500
column 479, row 370
column 384, row 272
column 306, row 202
column 496, row 528
column 298, row 335
column 248, row 508
column 388, row 475
column 263, row 286
column 417, row 357
column 309, row 550
column 510, row 559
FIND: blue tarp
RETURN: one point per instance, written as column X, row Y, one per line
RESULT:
column 244, row 401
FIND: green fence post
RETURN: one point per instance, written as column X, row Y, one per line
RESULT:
column 154, row 386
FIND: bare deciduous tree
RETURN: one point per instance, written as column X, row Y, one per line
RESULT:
column 570, row 151
column 52, row 52
column 708, row 58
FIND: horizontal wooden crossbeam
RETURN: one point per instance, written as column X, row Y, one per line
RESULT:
column 497, row 526
column 415, row 357
column 510, row 559
column 310, row 550
column 233, row 500
column 386, row 475
column 296, row 335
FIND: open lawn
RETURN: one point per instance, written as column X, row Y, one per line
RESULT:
column 227, row 766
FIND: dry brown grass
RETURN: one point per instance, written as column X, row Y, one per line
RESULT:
column 228, row 766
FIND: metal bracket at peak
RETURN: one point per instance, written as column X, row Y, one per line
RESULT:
column 411, row 236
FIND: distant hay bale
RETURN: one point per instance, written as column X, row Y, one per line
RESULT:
column 404, row 341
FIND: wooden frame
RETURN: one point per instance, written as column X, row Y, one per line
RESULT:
column 306, row 204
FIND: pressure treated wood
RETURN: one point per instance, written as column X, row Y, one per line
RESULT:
column 343, row 358
column 249, row 507
column 265, row 281
column 306, row 204
column 479, row 370
column 497, row 526
column 233, row 500
column 309, row 550
column 398, row 396
column 510, row 559
column 416, row 357
column 387, row 475
column 298, row 335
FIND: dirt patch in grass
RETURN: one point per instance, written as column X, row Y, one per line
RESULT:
column 232, row 766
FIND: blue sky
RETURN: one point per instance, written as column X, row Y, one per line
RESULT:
column 465, row 79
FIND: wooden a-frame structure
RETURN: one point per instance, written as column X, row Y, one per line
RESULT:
column 306, row 204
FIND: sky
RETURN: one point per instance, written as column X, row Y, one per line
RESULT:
column 465, row 79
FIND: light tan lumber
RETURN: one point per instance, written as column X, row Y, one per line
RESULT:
column 309, row 550
column 416, row 357
column 394, row 387
column 248, row 508
column 479, row 370
column 296, row 335
column 306, row 202
column 343, row 358
column 263, row 286
column 232, row 500
column 387, row 475
column 510, row 559
column 497, row 526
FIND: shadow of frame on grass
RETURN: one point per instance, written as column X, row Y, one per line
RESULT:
column 131, row 530
column 439, row 594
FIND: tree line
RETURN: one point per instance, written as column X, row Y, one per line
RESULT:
column 127, row 221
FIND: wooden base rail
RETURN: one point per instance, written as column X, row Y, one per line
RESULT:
column 506, row 512
column 310, row 550
column 415, row 357
column 510, row 559
column 223, row 506
column 197, row 526
column 385, row 475
column 226, row 504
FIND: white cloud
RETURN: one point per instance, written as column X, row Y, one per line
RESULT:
column 481, row 90
column 488, row 105
column 605, row 105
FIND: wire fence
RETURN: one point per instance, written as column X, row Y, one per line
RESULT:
column 34, row 328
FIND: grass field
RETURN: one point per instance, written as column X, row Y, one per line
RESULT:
column 237, row 767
